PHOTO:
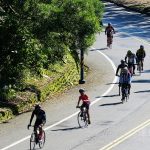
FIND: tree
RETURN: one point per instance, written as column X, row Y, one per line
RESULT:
column 36, row 33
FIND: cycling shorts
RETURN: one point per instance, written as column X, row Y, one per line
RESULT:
column 86, row 105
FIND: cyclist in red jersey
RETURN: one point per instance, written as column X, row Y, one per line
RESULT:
column 86, row 102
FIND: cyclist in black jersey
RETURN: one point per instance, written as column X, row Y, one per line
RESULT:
column 40, row 119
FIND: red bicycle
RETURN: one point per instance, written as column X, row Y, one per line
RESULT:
column 37, row 139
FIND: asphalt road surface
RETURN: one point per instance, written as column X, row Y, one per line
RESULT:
column 114, row 125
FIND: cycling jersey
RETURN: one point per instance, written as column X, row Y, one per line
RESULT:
column 84, row 98
column 125, row 78
column 121, row 68
column 140, row 54
column 40, row 116
column 109, row 31
column 131, row 59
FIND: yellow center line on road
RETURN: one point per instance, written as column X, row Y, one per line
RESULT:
column 126, row 136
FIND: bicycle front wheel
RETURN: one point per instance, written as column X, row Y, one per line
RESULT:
column 82, row 120
column 32, row 141
column 42, row 141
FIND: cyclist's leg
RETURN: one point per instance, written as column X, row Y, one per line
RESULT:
column 133, row 68
column 123, row 91
column 142, row 64
column 40, row 131
column 35, row 130
column 88, row 113
column 81, row 108
column 129, row 87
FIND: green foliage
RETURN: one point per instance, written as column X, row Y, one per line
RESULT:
column 37, row 33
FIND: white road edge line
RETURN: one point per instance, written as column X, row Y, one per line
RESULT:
column 59, row 122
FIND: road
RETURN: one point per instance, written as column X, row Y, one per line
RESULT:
column 114, row 125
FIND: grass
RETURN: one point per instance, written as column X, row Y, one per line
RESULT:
column 55, row 80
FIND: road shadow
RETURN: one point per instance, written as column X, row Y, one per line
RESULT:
column 107, row 96
column 130, row 23
column 146, row 71
column 67, row 129
column 99, row 49
column 111, row 83
column 141, row 81
column 144, row 91
column 111, row 95
column 111, row 104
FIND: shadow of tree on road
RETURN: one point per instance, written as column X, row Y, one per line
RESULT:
column 141, row 81
column 130, row 23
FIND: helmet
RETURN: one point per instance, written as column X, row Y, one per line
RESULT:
column 129, row 52
column 81, row 90
column 122, row 61
column 109, row 24
column 37, row 106
column 141, row 47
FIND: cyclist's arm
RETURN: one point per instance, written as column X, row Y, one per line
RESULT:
column 31, row 117
column 144, row 54
column 79, row 101
column 117, row 70
column 126, row 58
column 113, row 30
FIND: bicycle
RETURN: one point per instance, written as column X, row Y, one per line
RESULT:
column 125, row 92
column 109, row 42
column 82, row 117
column 35, row 139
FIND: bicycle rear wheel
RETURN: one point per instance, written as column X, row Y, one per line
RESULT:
column 32, row 141
column 42, row 141
column 82, row 120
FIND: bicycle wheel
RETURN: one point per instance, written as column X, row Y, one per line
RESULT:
column 82, row 120
column 42, row 141
column 32, row 141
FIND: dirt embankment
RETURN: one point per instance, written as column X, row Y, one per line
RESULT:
column 142, row 6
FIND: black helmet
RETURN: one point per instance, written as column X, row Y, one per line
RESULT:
column 81, row 90
column 37, row 106
column 129, row 52
column 122, row 61
column 109, row 24
column 141, row 47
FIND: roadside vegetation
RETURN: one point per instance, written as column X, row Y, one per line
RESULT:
column 40, row 41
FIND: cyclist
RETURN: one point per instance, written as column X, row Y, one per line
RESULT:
column 86, row 103
column 130, row 59
column 125, row 81
column 40, row 120
column 121, row 69
column 109, row 31
column 140, row 54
